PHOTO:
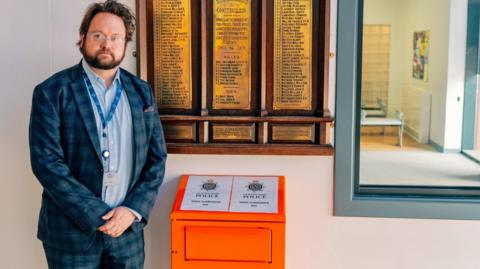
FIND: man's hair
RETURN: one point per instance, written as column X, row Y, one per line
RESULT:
column 113, row 7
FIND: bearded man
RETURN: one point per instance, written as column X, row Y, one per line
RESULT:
column 97, row 148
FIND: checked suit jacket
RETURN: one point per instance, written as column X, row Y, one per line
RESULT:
column 66, row 157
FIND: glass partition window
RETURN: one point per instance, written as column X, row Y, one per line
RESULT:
column 409, row 131
column 407, row 109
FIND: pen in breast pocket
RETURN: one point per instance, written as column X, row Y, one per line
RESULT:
column 149, row 109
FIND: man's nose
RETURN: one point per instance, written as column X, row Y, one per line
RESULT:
column 107, row 43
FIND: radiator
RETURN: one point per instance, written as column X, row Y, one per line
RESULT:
column 416, row 106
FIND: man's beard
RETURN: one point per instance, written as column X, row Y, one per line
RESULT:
column 94, row 60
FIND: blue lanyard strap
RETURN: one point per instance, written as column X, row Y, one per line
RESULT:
column 116, row 100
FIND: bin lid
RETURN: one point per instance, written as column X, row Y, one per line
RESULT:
column 230, row 198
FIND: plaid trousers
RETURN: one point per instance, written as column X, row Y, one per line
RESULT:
column 124, row 252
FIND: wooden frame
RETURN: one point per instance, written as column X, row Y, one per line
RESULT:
column 321, row 17
column 261, row 115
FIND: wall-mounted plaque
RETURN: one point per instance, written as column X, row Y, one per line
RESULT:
column 182, row 131
column 232, row 50
column 233, row 132
column 293, row 133
column 297, row 57
column 292, row 61
column 239, row 76
column 173, row 54
column 231, row 54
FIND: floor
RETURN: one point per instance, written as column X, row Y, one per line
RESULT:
column 389, row 141
column 383, row 162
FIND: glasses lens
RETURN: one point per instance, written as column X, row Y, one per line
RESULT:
column 100, row 38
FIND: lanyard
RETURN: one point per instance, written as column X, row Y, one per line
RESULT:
column 115, row 102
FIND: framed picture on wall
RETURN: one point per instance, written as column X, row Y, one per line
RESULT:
column 421, row 42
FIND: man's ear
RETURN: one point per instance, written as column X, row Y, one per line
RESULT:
column 82, row 39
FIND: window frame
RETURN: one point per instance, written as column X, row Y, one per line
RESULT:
column 350, row 199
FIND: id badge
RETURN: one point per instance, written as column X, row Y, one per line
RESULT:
column 110, row 178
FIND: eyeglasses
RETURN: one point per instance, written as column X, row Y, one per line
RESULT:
column 98, row 37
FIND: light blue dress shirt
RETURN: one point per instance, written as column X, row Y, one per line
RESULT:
column 118, row 140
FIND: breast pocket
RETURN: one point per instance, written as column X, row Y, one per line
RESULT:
column 150, row 116
column 149, row 119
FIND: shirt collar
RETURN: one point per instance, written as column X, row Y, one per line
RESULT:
column 94, row 78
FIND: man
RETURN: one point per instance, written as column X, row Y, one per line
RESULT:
column 97, row 148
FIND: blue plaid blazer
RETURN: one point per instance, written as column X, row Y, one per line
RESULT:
column 65, row 157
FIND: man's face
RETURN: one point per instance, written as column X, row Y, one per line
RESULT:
column 103, row 46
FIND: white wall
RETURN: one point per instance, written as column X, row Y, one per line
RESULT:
column 456, row 74
column 39, row 40
column 418, row 18
column 25, row 59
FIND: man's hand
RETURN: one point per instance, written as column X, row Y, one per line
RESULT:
column 118, row 220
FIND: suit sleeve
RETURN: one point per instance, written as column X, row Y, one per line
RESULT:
column 74, row 199
column 143, row 194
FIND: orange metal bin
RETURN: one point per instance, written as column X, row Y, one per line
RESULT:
column 204, row 239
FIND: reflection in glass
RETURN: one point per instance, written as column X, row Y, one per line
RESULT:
column 414, row 77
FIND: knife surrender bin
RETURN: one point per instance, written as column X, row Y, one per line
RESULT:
column 229, row 222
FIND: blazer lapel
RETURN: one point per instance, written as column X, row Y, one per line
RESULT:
column 139, row 132
column 82, row 98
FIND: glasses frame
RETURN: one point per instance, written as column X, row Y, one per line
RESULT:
column 99, row 37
